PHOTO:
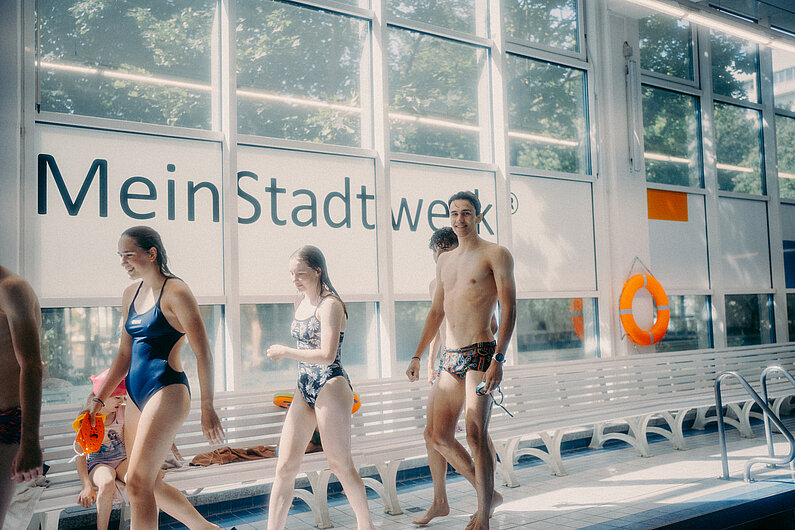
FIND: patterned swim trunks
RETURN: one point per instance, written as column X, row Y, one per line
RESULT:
column 10, row 425
column 458, row 361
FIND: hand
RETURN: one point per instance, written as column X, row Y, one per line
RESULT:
column 413, row 372
column 92, row 410
column 211, row 426
column 87, row 497
column 492, row 377
column 277, row 352
column 27, row 464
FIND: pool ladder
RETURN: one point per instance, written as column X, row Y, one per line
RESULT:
column 771, row 460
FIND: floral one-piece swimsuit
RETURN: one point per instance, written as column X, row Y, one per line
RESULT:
column 312, row 377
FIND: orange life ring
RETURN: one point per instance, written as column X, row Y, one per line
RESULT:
column 284, row 399
column 576, row 317
column 639, row 335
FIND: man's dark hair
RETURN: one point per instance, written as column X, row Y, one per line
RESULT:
column 443, row 238
column 466, row 196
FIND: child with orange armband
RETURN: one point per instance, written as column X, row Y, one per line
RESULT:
column 99, row 470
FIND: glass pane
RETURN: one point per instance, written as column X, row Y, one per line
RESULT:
column 791, row 316
column 264, row 324
column 452, row 14
column 733, row 67
column 785, row 147
column 671, row 138
column 556, row 329
column 299, row 73
column 737, row 138
column 117, row 60
column 552, row 23
column 433, row 95
column 666, row 46
column 690, row 327
column 546, row 116
column 77, row 342
column 749, row 319
column 409, row 320
column 784, row 79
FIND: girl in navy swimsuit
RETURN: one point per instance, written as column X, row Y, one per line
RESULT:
column 325, row 390
column 159, row 310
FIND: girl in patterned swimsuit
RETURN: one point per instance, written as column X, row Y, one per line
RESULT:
column 99, row 471
column 327, row 396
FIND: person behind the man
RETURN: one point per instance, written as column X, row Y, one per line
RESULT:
column 20, row 385
column 470, row 281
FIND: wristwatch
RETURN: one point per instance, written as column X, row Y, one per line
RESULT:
column 499, row 357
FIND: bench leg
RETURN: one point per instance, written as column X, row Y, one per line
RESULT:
column 597, row 439
column 636, row 437
column 317, row 499
column 387, row 488
column 700, row 423
column 675, row 434
column 743, row 413
column 505, row 450
column 49, row 520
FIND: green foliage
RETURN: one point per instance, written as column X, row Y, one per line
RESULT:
column 666, row 46
column 452, row 14
column 553, row 23
column 785, row 140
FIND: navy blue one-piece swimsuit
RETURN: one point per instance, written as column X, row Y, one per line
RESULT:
column 153, row 339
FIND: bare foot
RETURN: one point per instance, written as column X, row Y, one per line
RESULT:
column 476, row 523
column 436, row 510
column 496, row 500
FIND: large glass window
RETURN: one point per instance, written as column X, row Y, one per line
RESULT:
column 433, row 95
column 262, row 325
column 785, row 146
column 666, row 46
column 671, row 137
column 784, row 79
column 409, row 320
column 128, row 62
column 77, row 342
column 552, row 23
column 749, row 319
column 556, row 329
column 299, row 73
column 734, row 67
column 546, row 116
column 690, row 326
column 739, row 154
column 451, row 14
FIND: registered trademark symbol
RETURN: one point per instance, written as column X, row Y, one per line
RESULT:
column 514, row 203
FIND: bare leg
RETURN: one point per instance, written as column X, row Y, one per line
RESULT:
column 152, row 433
column 296, row 433
column 104, row 478
column 478, row 411
column 333, row 412
column 438, row 467
column 7, row 486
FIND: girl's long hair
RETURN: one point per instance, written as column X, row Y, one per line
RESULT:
column 147, row 238
column 314, row 259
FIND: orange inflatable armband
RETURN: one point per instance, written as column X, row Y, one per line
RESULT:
column 90, row 438
column 284, row 399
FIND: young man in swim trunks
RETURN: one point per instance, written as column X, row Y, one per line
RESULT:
column 470, row 281
column 442, row 240
column 20, row 385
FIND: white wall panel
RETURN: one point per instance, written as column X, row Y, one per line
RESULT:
column 744, row 240
column 74, row 255
column 419, row 206
column 333, row 196
column 788, row 221
column 679, row 249
column 553, row 235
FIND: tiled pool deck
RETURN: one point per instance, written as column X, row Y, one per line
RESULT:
column 606, row 488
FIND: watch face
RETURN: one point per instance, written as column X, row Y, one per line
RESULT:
column 500, row 358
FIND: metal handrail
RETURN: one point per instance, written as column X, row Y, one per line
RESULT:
column 766, row 409
column 763, row 380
